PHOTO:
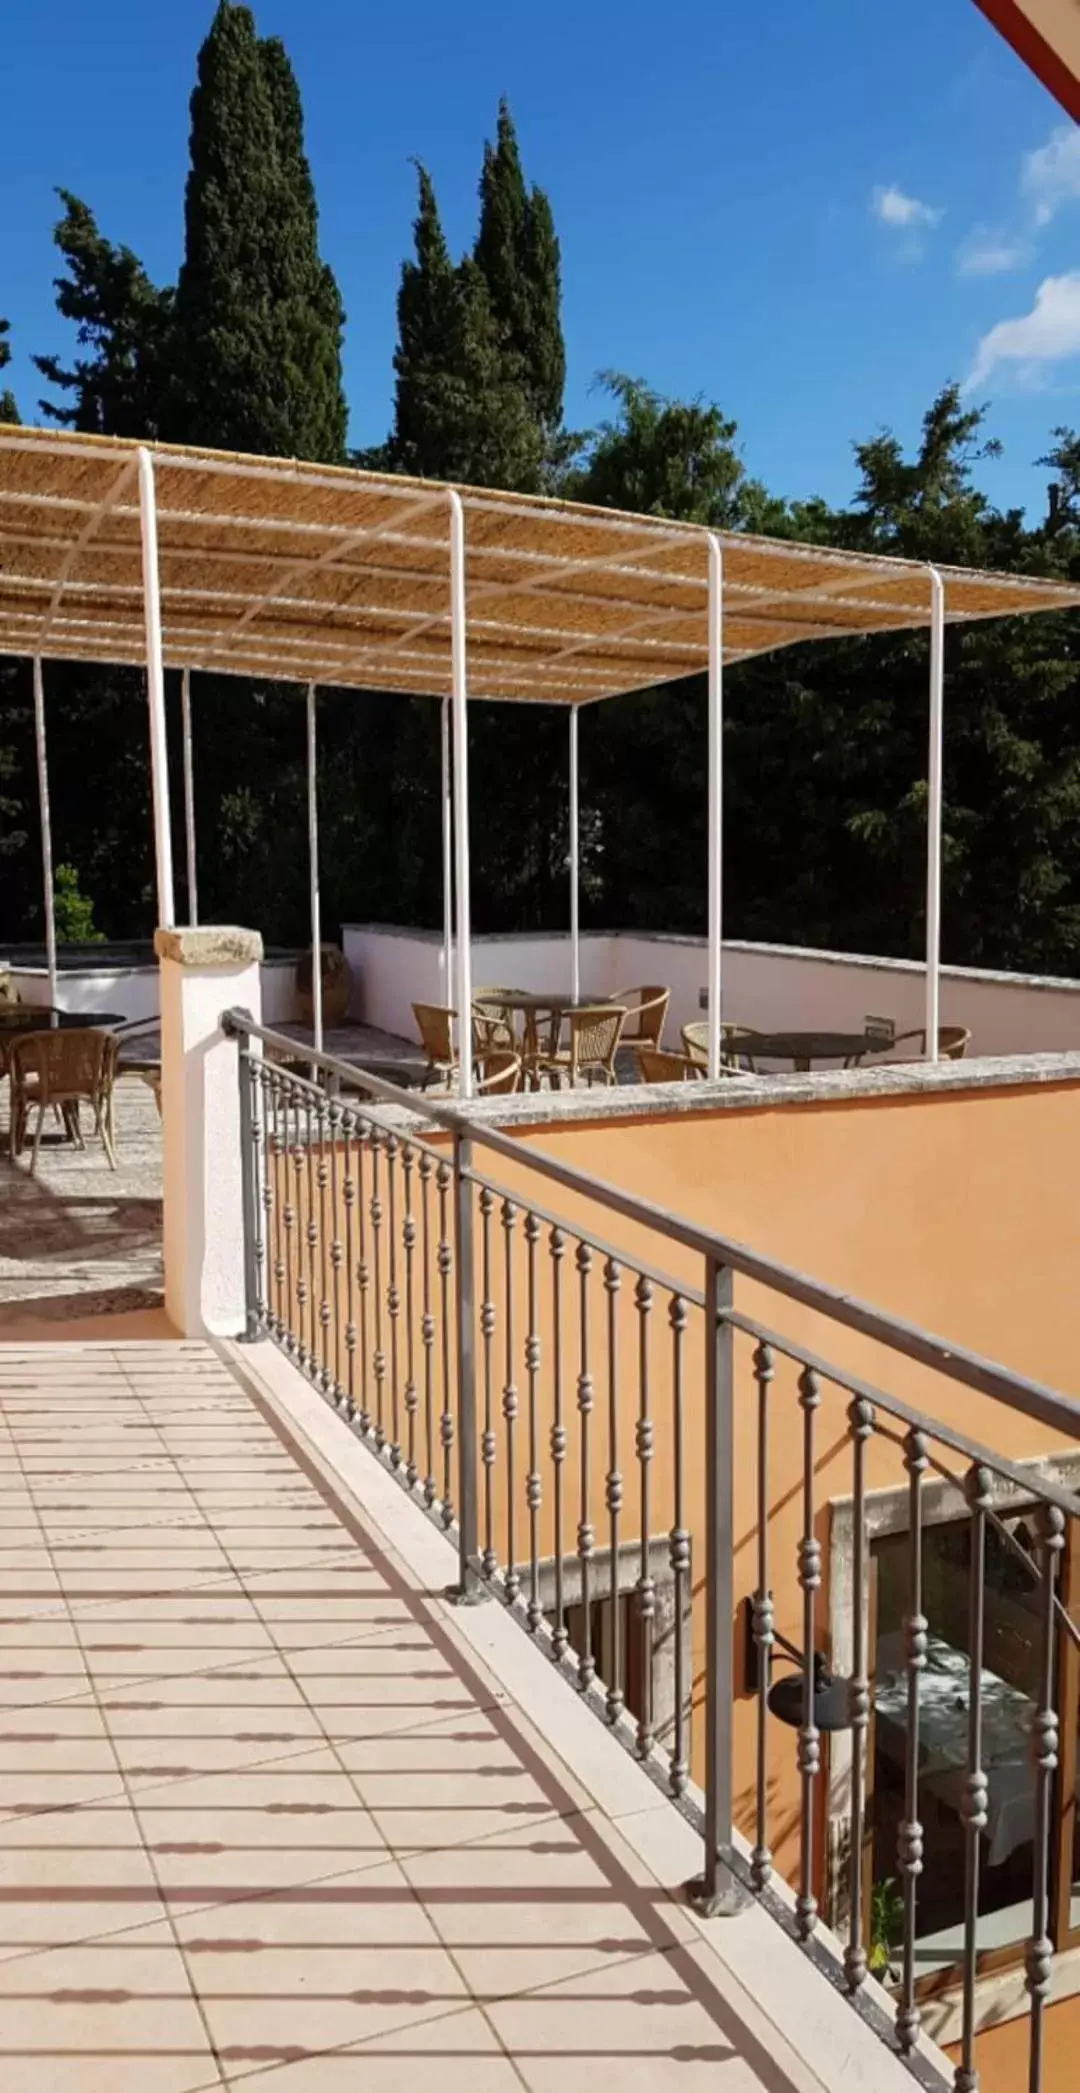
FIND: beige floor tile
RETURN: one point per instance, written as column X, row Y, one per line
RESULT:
column 82, row 2006
column 457, row 2052
column 374, row 1994
column 93, row 1828
column 236, row 1834
column 54, row 1896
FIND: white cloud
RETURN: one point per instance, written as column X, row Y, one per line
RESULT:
column 1050, row 176
column 989, row 253
column 1048, row 334
column 902, row 213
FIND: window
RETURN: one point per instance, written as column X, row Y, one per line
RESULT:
column 1009, row 1697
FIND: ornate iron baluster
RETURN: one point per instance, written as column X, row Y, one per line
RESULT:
column 1039, row 1965
column 348, row 1195
column 488, row 1448
column 427, row 1331
column 680, row 1551
column 645, row 1594
column 444, row 1181
column 910, row 1843
column 277, row 1177
column 322, row 1179
column 510, row 1401
column 557, row 1247
column 615, row 1698
column 364, row 1143
column 761, row 1857
column 393, row 1297
column 977, row 1488
column 809, row 1747
column 336, row 1251
column 533, row 1485
column 292, row 1232
column 408, row 1236
column 586, row 1536
column 378, row 1359
column 259, row 1207
column 861, row 1423
column 311, row 1238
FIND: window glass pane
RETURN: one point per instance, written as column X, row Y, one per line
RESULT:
column 1009, row 1684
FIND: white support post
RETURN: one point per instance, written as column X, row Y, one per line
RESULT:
column 460, row 715
column 447, row 856
column 155, row 691
column 313, row 873
column 46, row 829
column 189, row 798
column 716, row 795
column 575, row 897
column 933, row 813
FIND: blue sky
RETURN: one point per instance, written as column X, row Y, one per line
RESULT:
column 814, row 214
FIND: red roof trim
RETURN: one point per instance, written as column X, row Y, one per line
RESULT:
column 1018, row 29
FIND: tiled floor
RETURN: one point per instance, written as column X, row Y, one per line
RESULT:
column 262, row 1824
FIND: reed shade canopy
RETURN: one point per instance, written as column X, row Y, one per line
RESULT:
column 317, row 574
column 124, row 553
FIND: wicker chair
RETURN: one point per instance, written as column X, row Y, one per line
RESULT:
column 139, row 1053
column 646, row 1009
column 66, row 1070
column 595, row 1032
column 734, row 1043
column 436, row 1028
column 656, row 1065
column 498, row 1071
column 492, row 1027
column 952, row 1042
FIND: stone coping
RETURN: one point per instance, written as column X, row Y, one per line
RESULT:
column 812, row 955
column 214, row 946
column 854, row 1086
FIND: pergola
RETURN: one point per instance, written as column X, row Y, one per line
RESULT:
column 163, row 557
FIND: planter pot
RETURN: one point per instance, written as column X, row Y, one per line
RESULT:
column 336, row 986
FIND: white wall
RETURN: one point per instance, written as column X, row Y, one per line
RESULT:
column 132, row 992
column 772, row 987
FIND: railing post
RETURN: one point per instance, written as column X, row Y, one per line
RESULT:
column 470, row 1587
column 719, row 1893
column 249, row 1187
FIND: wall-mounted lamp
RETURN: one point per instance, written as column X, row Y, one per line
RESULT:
column 787, row 1697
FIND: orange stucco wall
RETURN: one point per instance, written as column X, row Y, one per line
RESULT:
column 1001, row 2054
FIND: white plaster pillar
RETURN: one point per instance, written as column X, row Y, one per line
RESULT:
column 203, row 973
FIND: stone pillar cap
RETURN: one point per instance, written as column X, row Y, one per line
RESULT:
column 210, row 946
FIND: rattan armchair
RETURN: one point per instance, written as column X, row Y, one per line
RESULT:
column 493, row 1027
column 594, row 1034
column 436, row 1028
column 952, row 1042
column 646, row 1009
column 736, row 1042
column 64, row 1069
column 496, row 1072
column 657, row 1065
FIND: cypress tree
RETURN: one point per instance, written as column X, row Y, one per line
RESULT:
column 258, row 311
column 124, row 320
column 461, row 408
column 8, row 410
column 518, row 252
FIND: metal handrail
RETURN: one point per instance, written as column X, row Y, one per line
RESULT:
column 1033, row 1399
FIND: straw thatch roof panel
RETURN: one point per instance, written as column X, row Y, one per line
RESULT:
column 307, row 572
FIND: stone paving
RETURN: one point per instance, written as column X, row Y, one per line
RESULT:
column 264, row 1821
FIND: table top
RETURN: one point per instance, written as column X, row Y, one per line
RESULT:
column 25, row 1017
column 527, row 999
column 794, row 1046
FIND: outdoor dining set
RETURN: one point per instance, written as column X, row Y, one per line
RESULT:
column 524, row 1039
column 58, row 1061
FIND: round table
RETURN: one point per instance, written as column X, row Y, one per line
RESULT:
column 529, row 1004
column 802, row 1049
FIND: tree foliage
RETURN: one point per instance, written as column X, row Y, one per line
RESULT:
column 122, row 322
column 8, row 410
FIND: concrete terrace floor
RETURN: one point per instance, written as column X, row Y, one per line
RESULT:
column 269, row 1817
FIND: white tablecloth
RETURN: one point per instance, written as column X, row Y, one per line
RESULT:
column 943, row 1737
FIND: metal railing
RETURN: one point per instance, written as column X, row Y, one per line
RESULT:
column 652, row 1476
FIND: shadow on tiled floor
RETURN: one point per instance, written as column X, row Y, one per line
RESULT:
column 261, row 1823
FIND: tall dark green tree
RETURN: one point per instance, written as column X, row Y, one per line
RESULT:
column 123, row 323
column 8, row 410
column 258, row 314
column 462, row 411
column 518, row 253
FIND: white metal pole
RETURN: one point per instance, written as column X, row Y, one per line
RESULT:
column 575, row 897
column 447, row 857
column 189, row 797
column 313, row 873
column 716, row 794
column 460, row 716
column 46, row 829
column 933, row 813
column 155, row 691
